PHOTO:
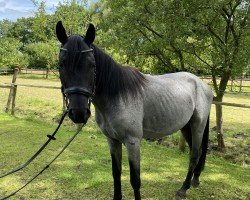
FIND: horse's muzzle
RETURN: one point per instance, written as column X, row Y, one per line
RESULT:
column 79, row 116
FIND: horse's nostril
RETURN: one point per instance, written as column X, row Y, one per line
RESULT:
column 79, row 115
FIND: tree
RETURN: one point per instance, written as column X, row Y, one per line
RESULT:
column 42, row 55
column 42, row 27
column 224, row 50
column 74, row 16
column 11, row 56
column 21, row 30
column 165, row 36
column 5, row 27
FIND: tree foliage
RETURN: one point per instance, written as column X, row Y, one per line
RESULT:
column 11, row 56
column 177, row 35
column 42, row 55
column 157, row 36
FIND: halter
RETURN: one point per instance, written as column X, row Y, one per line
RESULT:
column 80, row 90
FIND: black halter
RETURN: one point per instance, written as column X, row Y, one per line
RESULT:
column 80, row 90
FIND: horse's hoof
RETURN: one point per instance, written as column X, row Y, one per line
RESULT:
column 181, row 194
column 195, row 183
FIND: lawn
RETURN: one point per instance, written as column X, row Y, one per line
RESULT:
column 84, row 169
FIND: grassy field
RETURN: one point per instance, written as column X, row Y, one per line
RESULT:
column 84, row 170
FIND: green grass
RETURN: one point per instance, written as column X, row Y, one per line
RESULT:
column 84, row 170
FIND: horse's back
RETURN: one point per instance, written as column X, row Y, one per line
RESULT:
column 170, row 101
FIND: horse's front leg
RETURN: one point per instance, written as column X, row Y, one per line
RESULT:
column 116, row 156
column 133, row 148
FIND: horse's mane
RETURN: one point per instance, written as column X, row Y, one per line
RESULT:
column 115, row 80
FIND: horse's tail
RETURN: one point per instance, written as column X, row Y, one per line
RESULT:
column 204, row 145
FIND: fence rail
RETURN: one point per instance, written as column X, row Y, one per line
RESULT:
column 6, row 71
column 234, row 85
column 5, row 86
column 38, row 86
column 231, row 104
column 42, row 72
column 13, row 88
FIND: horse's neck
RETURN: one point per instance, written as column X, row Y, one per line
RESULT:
column 106, row 73
column 115, row 82
column 103, row 62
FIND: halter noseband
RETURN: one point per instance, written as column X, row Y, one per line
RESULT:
column 80, row 90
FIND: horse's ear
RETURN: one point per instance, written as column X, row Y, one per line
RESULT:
column 61, row 33
column 90, row 34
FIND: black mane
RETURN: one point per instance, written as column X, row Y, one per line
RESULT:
column 114, row 80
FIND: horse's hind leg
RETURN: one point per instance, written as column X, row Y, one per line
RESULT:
column 186, row 132
column 201, row 164
column 197, row 129
column 133, row 148
column 116, row 156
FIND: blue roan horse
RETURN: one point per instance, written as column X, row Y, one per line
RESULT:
column 130, row 105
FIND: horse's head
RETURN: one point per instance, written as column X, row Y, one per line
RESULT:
column 77, row 71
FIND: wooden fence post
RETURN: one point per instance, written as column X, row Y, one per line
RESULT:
column 11, row 90
column 241, row 80
column 13, row 100
column 47, row 73
column 231, row 85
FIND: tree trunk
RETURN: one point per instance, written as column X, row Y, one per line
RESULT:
column 47, row 73
column 219, row 128
column 220, row 90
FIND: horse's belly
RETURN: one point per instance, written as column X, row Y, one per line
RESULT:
column 160, row 126
column 155, row 134
column 166, row 111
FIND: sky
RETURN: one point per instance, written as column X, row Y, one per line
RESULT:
column 14, row 9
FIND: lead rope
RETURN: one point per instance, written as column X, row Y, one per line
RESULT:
column 47, row 166
column 51, row 137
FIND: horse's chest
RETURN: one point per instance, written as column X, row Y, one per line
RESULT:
column 107, row 127
column 121, row 122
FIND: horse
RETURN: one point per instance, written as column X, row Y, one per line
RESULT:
column 130, row 105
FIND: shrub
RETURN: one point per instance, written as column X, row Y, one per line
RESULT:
column 42, row 55
column 11, row 56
